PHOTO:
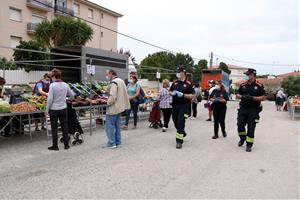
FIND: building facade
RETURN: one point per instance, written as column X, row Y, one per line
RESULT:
column 19, row 18
column 237, row 75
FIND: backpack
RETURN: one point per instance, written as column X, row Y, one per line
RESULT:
column 199, row 98
column 141, row 98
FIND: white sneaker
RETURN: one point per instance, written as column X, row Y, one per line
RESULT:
column 193, row 118
column 109, row 147
column 164, row 129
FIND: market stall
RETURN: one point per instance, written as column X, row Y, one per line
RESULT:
column 90, row 98
column 294, row 107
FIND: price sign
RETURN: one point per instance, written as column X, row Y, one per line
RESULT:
column 157, row 75
column 91, row 69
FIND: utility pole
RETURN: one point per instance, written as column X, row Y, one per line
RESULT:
column 211, row 60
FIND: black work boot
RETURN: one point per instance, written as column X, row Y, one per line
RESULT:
column 215, row 137
column 249, row 148
column 178, row 145
column 241, row 143
column 53, row 148
column 224, row 133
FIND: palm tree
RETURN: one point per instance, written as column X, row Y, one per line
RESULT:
column 63, row 31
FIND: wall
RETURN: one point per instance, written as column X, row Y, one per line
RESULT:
column 21, row 77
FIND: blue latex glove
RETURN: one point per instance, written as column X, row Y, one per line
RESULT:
column 216, row 99
column 174, row 93
column 179, row 94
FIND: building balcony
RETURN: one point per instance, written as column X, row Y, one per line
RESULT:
column 61, row 10
column 31, row 27
column 42, row 5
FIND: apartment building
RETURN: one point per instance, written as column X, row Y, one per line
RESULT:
column 18, row 20
column 237, row 74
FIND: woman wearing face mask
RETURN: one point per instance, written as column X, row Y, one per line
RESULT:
column 133, row 90
column 41, row 88
column 219, row 97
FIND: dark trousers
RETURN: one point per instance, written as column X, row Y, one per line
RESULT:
column 134, row 107
column 219, row 115
column 167, row 112
column 194, row 109
column 179, row 114
column 249, row 117
column 60, row 115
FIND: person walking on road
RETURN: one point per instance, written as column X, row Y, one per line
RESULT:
column 197, row 99
column 57, row 108
column 212, row 85
column 133, row 91
column 165, row 101
column 251, row 93
column 117, row 103
column 219, row 98
column 182, row 92
column 279, row 99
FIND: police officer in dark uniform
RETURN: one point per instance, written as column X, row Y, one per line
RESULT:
column 251, row 93
column 182, row 92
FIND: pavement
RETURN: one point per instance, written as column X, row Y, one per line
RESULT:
column 148, row 165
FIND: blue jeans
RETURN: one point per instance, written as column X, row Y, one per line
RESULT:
column 134, row 107
column 113, row 129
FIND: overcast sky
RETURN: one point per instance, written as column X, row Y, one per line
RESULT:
column 264, row 31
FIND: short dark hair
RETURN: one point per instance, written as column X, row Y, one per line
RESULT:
column 196, row 84
column 56, row 73
column 47, row 75
column 113, row 72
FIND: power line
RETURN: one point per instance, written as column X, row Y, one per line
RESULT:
column 53, row 60
column 59, row 54
column 256, row 63
column 109, row 29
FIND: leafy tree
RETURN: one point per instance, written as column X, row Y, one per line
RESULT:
column 202, row 64
column 291, row 85
column 26, row 55
column 166, row 63
column 7, row 65
column 223, row 66
column 63, row 31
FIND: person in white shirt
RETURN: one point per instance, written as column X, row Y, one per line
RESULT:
column 57, row 108
column 279, row 99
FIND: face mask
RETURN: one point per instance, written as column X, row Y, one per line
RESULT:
column 107, row 78
column 130, row 81
column 218, row 87
column 46, row 81
column 246, row 78
column 178, row 75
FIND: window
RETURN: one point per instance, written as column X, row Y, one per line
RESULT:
column 102, row 15
column 76, row 8
column 101, row 34
column 90, row 13
column 15, row 14
column 14, row 41
column 37, row 18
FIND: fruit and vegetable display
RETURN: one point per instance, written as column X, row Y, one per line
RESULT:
column 295, row 100
column 4, row 107
column 91, row 93
column 22, row 107
column 40, row 102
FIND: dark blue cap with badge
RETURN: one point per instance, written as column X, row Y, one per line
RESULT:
column 250, row 71
column 181, row 69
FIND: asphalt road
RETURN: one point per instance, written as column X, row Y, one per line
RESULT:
column 149, row 166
